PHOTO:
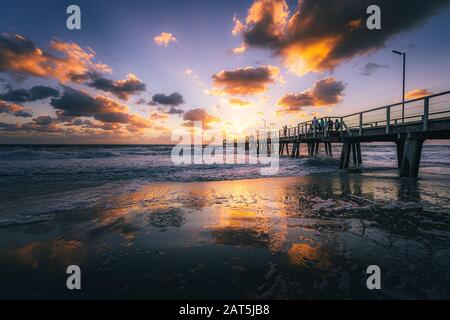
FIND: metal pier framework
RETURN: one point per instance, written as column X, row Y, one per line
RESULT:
column 406, row 124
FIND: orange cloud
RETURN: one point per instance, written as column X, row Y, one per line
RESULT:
column 199, row 114
column 417, row 93
column 239, row 103
column 315, row 38
column 6, row 107
column 244, row 81
column 20, row 55
column 353, row 24
column 325, row 92
column 238, row 26
column 240, row 49
column 164, row 39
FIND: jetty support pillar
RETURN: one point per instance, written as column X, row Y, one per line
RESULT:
column 411, row 158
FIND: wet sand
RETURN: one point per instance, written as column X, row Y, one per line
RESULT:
column 308, row 237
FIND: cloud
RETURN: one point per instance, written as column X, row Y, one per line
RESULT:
column 6, row 107
column 27, row 95
column 15, row 109
column 19, row 55
column 238, row 26
column 240, row 49
column 325, row 92
column 159, row 116
column 173, row 110
column 371, row 67
column 173, row 100
column 43, row 120
column 191, row 74
column 42, row 124
column 75, row 103
column 131, row 85
column 319, row 36
column 164, row 39
column 244, row 81
column 239, row 102
column 23, row 114
column 199, row 114
column 417, row 93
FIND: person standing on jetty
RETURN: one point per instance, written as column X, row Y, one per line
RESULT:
column 330, row 125
column 337, row 125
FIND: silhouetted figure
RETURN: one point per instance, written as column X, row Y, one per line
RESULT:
column 330, row 125
column 315, row 124
column 322, row 124
column 337, row 125
column 285, row 130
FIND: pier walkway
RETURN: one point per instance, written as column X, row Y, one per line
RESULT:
column 408, row 125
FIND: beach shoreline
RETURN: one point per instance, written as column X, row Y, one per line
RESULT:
column 269, row 238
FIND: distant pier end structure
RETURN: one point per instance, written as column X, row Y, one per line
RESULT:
column 423, row 118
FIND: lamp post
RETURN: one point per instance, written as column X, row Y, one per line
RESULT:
column 403, row 95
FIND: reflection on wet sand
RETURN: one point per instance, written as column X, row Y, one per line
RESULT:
column 309, row 256
column 302, row 237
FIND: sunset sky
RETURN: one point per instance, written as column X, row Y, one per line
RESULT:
column 138, row 69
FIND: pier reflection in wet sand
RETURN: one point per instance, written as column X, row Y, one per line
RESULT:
column 301, row 237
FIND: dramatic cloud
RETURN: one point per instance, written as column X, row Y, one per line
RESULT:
column 164, row 39
column 75, row 103
column 325, row 92
column 199, row 114
column 19, row 55
column 27, row 95
column 121, row 88
column 371, row 67
column 417, row 93
column 318, row 36
column 244, row 81
column 173, row 100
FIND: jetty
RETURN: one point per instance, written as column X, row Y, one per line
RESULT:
column 408, row 124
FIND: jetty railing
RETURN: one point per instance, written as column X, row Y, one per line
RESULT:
column 419, row 110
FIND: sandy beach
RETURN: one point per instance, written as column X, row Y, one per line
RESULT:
column 275, row 238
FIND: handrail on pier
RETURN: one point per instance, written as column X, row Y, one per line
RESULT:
column 384, row 116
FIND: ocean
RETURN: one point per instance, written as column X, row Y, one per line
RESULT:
column 141, row 227
column 152, row 163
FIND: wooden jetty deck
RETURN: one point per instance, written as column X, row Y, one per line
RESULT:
column 408, row 125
